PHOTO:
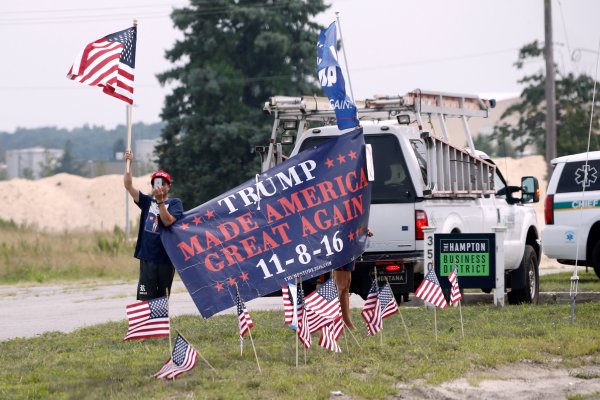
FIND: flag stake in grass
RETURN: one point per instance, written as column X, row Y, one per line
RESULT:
column 456, row 296
column 401, row 318
column 239, row 298
column 197, row 351
column 169, row 315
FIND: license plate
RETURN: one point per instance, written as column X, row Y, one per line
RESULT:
column 398, row 278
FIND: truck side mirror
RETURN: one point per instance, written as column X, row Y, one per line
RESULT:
column 530, row 189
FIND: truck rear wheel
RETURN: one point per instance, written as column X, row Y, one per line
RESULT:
column 596, row 259
column 528, row 271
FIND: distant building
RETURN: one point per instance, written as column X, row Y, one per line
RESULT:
column 143, row 151
column 144, row 160
column 30, row 163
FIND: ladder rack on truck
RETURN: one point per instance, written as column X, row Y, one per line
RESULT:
column 451, row 171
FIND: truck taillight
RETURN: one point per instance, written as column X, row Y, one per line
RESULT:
column 549, row 209
column 420, row 223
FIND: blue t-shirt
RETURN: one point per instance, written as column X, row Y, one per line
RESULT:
column 149, row 246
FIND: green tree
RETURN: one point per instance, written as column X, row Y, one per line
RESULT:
column 485, row 143
column 118, row 147
column 67, row 163
column 235, row 55
column 574, row 96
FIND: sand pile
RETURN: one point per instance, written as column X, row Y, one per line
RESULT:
column 66, row 202
column 71, row 203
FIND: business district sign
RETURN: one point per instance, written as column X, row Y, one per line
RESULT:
column 473, row 254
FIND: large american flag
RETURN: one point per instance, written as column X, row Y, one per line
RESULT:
column 183, row 358
column 108, row 63
column 371, row 312
column 430, row 291
column 148, row 318
column 387, row 301
column 455, row 295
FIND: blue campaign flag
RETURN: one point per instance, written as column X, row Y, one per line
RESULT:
column 300, row 219
column 332, row 79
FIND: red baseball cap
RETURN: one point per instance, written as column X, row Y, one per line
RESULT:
column 160, row 174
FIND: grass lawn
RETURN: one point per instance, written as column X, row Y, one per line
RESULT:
column 95, row 362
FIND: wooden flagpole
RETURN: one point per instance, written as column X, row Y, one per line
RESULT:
column 303, row 311
column 462, row 328
column 198, row 352
column 401, row 317
column 435, row 321
column 169, row 313
column 352, row 334
column 337, row 17
column 129, row 122
column 295, row 311
column 254, row 348
column 377, row 287
column 249, row 331
column 405, row 327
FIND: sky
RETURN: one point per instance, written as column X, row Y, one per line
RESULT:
column 392, row 47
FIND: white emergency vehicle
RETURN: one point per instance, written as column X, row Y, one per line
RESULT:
column 572, row 211
column 421, row 179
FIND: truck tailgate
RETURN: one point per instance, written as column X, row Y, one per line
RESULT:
column 393, row 227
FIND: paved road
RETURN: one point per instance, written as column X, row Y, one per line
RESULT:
column 28, row 311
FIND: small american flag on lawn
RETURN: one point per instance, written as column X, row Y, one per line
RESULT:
column 455, row 295
column 244, row 320
column 430, row 291
column 371, row 312
column 330, row 334
column 303, row 331
column 290, row 311
column 387, row 301
column 324, row 301
column 148, row 318
column 108, row 63
column 183, row 358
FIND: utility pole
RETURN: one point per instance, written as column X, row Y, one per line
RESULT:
column 550, row 89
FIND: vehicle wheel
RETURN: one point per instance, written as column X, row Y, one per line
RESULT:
column 530, row 293
column 596, row 259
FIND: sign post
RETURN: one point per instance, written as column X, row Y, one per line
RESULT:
column 499, row 231
column 428, row 252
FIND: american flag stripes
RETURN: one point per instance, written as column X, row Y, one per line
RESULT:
column 290, row 311
column 430, row 291
column 244, row 320
column 148, row 318
column 324, row 301
column 303, row 331
column 183, row 358
column 387, row 301
column 455, row 295
column 330, row 334
column 371, row 312
column 324, row 313
column 108, row 63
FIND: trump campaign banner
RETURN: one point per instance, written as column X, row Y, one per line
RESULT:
column 300, row 219
column 332, row 80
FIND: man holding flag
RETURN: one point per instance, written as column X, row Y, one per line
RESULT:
column 158, row 212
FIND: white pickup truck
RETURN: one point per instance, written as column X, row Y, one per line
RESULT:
column 421, row 180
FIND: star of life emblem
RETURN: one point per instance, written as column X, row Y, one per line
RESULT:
column 580, row 175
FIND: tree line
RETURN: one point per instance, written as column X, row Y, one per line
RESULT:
column 235, row 54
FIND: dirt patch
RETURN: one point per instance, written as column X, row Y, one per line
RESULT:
column 514, row 381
